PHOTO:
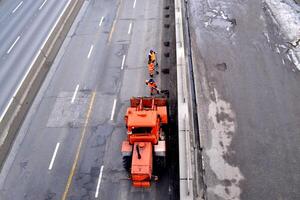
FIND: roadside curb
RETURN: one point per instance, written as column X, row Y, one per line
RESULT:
column 14, row 114
column 184, row 128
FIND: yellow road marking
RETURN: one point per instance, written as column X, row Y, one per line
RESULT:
column 114, row 23
column 111, row 32
column 79, row 147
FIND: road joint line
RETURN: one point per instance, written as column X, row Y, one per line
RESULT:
column 75, row 93
column 99, row 182
column 16, row 8
column 53, row 156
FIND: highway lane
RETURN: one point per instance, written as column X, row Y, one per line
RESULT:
column 24, row 27
column 18, row 19
column 7, row 7
column 72, row 135
column 248, row 101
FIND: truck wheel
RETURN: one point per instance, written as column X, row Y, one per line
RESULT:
column 127, row 163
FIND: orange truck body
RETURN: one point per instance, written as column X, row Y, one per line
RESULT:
column 144, row 120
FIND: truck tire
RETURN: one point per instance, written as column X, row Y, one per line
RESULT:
column 127, row 163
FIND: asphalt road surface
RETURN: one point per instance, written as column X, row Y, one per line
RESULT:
column 24, row 25
column 248, row 99
column 69, row 145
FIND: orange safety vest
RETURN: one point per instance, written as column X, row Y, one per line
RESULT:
column 152, row 85
column 151, row 68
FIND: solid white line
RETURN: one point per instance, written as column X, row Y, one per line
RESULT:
column 53, row 157
column 123, row 61
column 53, row 27
column 100, row 23
column 99, row 181
column 12, row 46
column 17, row 7
column 40, row 8
column 91, row 49
column 134, row 3
column 75, row 92
column 129, row 28
column 113, row 110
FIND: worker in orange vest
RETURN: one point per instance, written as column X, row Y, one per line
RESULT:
column 152, row 56
column 152, row 85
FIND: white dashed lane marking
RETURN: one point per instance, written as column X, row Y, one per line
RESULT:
column 113, row 110
column 134, row 4
column 53, row 157
column 100, row 23
column 90, row 52
column 12, row 46
column 75, row 93
column 16, row 8
column 129, row 28
column 41, row 7
column 99, row 182
column 123, row 62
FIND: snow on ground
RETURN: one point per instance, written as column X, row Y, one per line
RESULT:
column 287, row 15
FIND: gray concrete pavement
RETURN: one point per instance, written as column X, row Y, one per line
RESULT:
column 85, row 122
column 24, row 27
column 248, row 96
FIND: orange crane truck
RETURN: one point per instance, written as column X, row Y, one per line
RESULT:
column 144, row 150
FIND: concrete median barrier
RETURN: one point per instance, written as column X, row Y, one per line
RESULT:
column 15, row 112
